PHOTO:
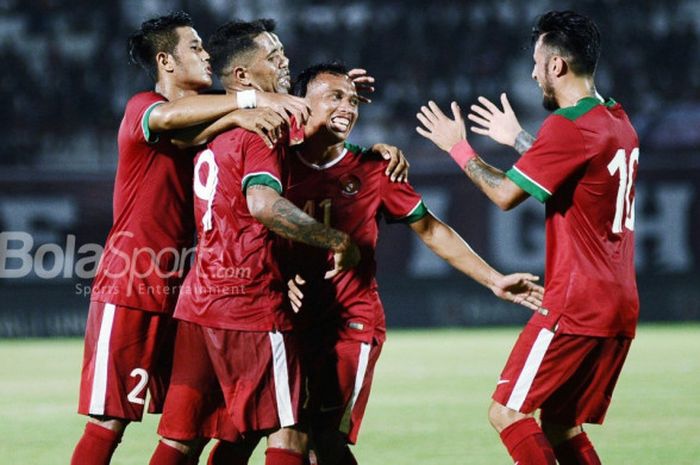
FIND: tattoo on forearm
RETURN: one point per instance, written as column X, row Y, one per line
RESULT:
column 483, row 174
column 523, row 142
column 290, row 222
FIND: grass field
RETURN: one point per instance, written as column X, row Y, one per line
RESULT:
column 428, row 405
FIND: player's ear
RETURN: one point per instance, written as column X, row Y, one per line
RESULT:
column 165, row 61
column 241, row 75
column 559, row 66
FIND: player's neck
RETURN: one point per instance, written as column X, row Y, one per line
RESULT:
column 576, row 89
column 172, row 91
column 318, row 151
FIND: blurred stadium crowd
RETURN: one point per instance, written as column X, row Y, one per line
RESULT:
column 66, row 73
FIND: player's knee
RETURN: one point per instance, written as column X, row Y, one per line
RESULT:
column 189, row 447
column 501, row 416
column 556, row 434
column 114, row 424
column 288, row 438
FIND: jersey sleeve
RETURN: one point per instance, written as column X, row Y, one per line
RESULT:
column 138, row 111
column 261, row 164
column 558, row 152
column 401, row 203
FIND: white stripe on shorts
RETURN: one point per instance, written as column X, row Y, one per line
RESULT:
column 279, row 364
column 532, row 364
column 359, row 381
column 99, row 377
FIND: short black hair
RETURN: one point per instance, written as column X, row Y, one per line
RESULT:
column 154, row 36
column 301, row 83
column 233, row 40
column 574, row 36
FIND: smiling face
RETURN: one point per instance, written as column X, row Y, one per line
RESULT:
column 191, row 62
column 334, row 105
column 269, row 67
column 542, row 75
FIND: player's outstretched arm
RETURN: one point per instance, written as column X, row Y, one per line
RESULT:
column 196, row 110
column 450, row 135
column 284, row 218
column 265, row 122
column 500, row 125
column 397, row 169
column 519, row 288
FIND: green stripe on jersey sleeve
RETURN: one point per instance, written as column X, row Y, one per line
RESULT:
column 144, row 124
column 528, row 185
column 263, row 179
column 417, row 213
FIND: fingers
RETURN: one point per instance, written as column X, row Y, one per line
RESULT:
column 436, row 110
column 456, row 112
column 488, row 104
column 479, row 120
column 506, row 104
column 357, row 72
column 481, row 111
column 424, row 119
column 478, row 130
column 295, row 295
column 424, row 133
column 332, row 273
column 393, row 160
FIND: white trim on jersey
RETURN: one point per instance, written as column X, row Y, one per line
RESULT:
column 326, row 165
column 532, row 364
column 532, row 180
column 99, row 377
column 413, row 210
column 359, row 381
column 279, row 365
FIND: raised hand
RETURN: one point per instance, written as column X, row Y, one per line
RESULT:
column 439, row 128
column 520, row 288
column 265, row 122
column 500, row 125
column 397, row 169
column 284, row 105
column 363, row 83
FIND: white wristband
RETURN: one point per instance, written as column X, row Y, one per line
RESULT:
column 246, row 99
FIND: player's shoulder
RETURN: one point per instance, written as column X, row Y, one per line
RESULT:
column 364, row 156
column 147, row 97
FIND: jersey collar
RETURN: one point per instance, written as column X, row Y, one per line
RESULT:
column 326, row 165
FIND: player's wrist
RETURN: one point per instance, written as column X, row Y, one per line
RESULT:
column 462, row 152
column 246, row 99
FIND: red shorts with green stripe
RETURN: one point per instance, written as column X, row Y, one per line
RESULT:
column 228, row 382
column 571, row 378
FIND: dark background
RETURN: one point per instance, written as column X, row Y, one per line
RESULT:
column 66, row 77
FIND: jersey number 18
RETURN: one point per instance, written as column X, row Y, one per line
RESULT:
column 624, row 205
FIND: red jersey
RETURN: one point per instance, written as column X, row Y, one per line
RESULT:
column 235, row 282
column 348, row 194
column 146, row 251
column 583, row 164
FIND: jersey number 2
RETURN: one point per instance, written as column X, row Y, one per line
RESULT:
column 624, row 205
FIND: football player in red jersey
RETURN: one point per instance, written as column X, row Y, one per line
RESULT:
column 235, row 358
column 342, row 320
column 582, row 165
column 128, row 341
